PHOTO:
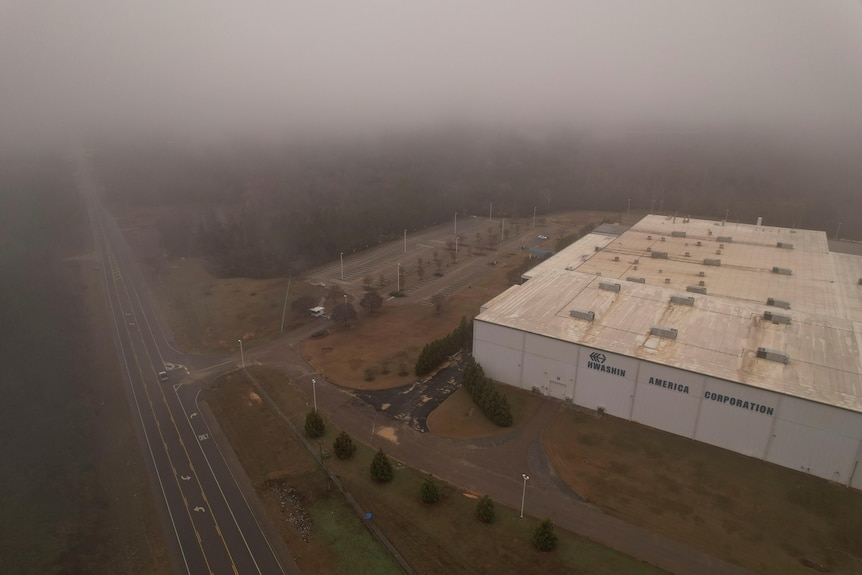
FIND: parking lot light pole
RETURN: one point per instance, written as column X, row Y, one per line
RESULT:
column 342, row 265
column 241, row 356
column 398, row 277
column 534, row 216
column 456, row 223
column 314, row 392
column 405, row 241
column 524, row 493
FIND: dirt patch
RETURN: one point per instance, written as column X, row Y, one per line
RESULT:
column 387, row 433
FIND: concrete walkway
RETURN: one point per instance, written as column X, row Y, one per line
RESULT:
column 494, row 467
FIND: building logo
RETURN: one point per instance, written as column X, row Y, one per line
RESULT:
column 598, row 363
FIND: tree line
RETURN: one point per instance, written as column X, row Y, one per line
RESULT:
column 439, row 350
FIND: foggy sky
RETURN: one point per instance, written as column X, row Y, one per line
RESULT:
column 211, row 68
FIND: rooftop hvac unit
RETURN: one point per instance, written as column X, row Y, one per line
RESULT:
column 609, row 286
column 682, row 300
column 677, row 234
column 776, row 317
column 772, row 355
column 662, row 239
column 687, row 254
column 616, row 258
column 724, row 239
column 598, row 249
column 659, row 255
column 636, row 280
column 778, row 303
column 638, row 261
column 701, row 274
column 782, row 271
column 635, row 268
column 649, row 249
column 582, row 314
column 718, row 252
column 667, row 332
column 698, row 244
column 709, row 232
column 860, row 281
column 667, row 280
column 711, row 262
column 696, row 289
column 649, row 237
column 784, row 245
column 701, row 283
column 721, row 246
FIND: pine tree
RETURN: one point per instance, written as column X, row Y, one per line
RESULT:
column 381, row 468
column 429, row 491
column 544, row 537
column 314, row 425
column 485, row 511
column 343, row 446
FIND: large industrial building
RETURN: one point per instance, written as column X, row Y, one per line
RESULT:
column 743, row 336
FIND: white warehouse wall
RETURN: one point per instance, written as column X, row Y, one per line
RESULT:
column 823, row 440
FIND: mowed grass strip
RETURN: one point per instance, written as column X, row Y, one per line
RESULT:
column 446, row 537
column 758, row 515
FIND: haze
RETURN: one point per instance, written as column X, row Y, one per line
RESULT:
column 82, row 69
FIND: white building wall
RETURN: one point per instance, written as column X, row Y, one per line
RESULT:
column 736, row 417
column 550, row 365
column 605, row 380
column 500, row 352
column 668, row 398
column 816, row 439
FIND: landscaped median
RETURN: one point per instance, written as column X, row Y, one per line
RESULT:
column 326, row 536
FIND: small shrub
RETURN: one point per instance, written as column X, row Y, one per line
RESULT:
column 544, row 537
column 429, row 491
column 381, row 468
column 370, row 373
column 314, row 425
column 485, row 511
column 343, row 446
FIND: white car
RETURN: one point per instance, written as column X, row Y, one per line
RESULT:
column 543, row 237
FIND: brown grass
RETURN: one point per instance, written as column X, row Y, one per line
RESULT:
column 764, row 517
column 459, row 418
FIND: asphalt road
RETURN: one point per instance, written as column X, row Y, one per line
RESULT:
column 209, row 524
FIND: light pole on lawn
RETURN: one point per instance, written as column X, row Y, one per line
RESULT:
column 534, row 216
column 314, row 392
column 405, row 241
column 524, row 493
column 398, row 277
column 241, row 355
column 342, row 265
column 456, row 223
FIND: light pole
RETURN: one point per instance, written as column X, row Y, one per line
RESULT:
column 502, row 227
column 405, row 241
column 456, row 248
column 456, row 223
column 838, row 230
column 534, row 216
column 314, row 395
column 241, row 356
column 490, row 211
column 398, row 277
column 524, row 493
column 342, row 265
column 284, row 310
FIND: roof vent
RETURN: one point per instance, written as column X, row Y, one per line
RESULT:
column 662, row 238
column 784, row 245
column 609, row 286
column 667, row 332
column 772, row 355
column 616, row 258
column 649, row 237
column 598, row 249
column 782, row 271
column 677, row 234
column 699, row 244
column 701, row 274
column 724, row 239
column 711, row 262
column 860, row 281
column 687, row 254
column 701, row 283
column 636, row 280
column 659, row 255
column 638, row 261
column 778, row 303
column 709, row 232
column 682, row 300
column 582, row 314
column 667, row 280
column 696, row 289
column 776, row 317
column 649, row 249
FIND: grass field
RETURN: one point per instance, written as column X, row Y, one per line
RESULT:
column 443, row 538
column 762, row 516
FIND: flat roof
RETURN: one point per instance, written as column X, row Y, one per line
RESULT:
column 740, row 267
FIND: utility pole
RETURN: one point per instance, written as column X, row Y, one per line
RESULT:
column 534, row 216
column 284, row 311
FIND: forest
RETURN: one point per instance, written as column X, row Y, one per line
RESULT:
column 258, row 210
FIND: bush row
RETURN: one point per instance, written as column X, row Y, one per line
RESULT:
column 436, row 352
column 485, row 394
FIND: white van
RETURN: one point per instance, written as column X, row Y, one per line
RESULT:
column 317, row 311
